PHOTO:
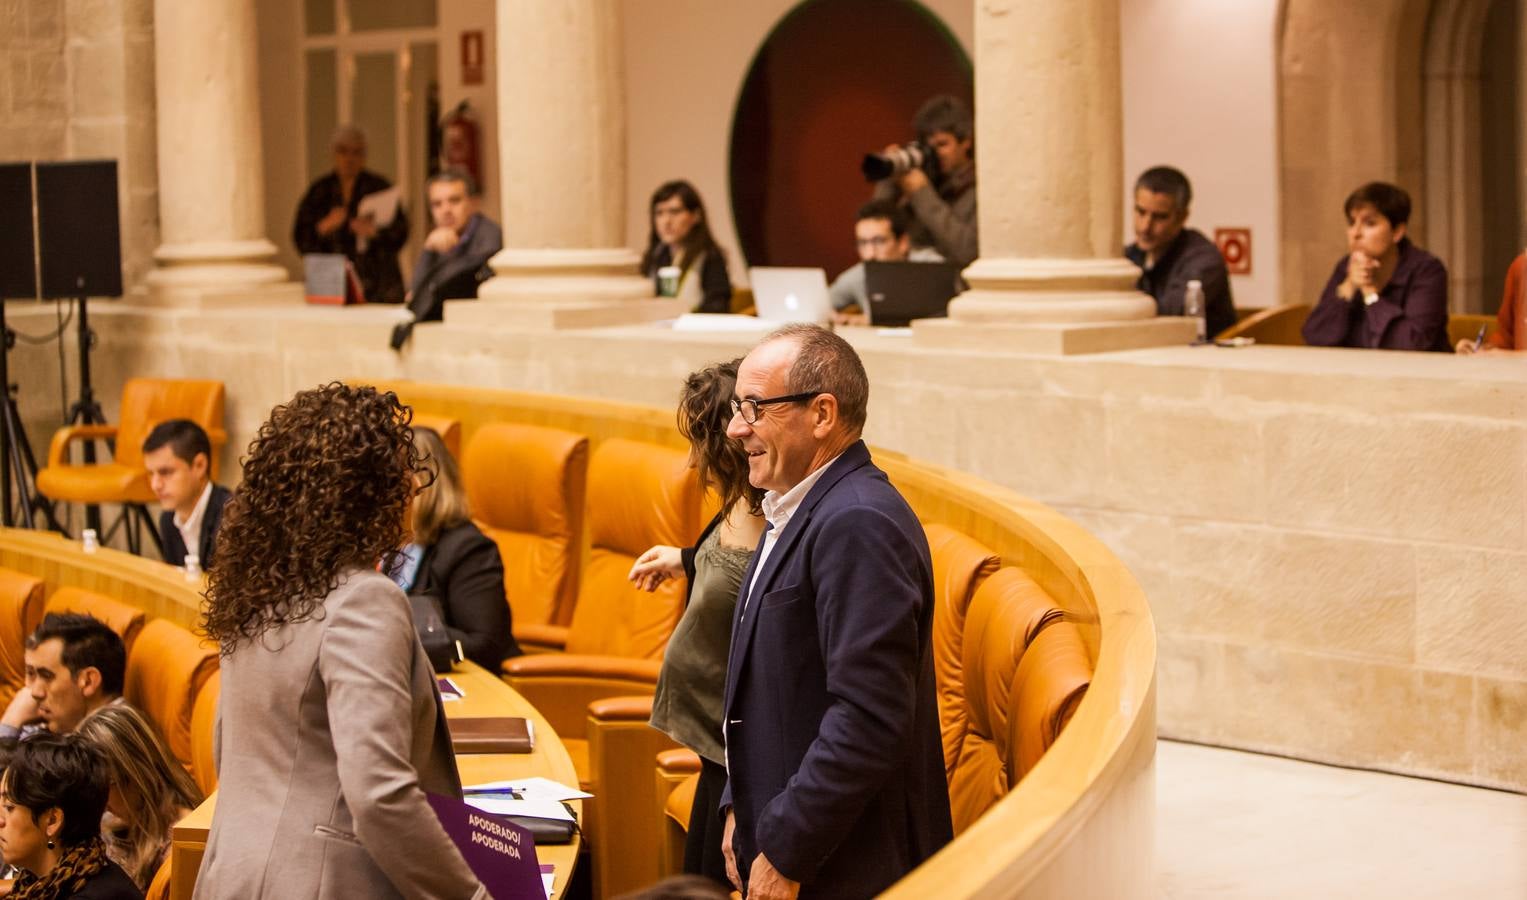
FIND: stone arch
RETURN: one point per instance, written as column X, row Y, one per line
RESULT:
column 1386, row 89
column 1350, row 110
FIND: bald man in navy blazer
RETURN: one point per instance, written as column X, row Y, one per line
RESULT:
column 835, row 771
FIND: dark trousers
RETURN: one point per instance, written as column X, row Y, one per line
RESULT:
column 702, row 843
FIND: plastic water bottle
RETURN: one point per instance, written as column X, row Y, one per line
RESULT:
column 193, row 567
column 1193, row 307
column 88, row 541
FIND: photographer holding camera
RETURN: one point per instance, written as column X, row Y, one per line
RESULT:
column 934, row 179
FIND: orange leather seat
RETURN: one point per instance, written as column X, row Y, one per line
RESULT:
column 526, row 485
column 960, row 566
column 1007, row 613
column 203, row 728
column 1052, row 678
column 126, row 620
column 638, row 495
column 20, row 611
column 159, row 888
column 166, row 669
column 621, row 749
column 145, row 403
column 448, row 428
column 678, row 774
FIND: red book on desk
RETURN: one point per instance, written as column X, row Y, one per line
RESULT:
column 491, row 734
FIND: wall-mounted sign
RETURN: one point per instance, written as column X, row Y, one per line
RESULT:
column 1235, row 246
column 472, row 53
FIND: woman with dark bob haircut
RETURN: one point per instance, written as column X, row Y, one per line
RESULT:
column 51, row 800
column 330, row 728
column 687, row 705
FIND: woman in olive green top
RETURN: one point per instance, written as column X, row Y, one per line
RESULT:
column 687, row 706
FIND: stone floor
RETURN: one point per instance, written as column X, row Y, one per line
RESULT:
column 1242, row 825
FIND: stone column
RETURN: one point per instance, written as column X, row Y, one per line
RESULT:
column 562, row 159
column 1049, row 161
column 211, row 174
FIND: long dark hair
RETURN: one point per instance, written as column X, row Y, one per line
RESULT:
column 705, row 408
column 699, row 238
column 326, row 484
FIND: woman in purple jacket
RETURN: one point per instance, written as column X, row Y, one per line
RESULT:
column 1387, row 293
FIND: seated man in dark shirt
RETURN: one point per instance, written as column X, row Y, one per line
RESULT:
column 456, row 253
column 178, row 457
column 74, row 666
column 1169, row 255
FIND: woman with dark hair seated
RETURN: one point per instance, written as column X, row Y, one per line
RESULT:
column 451, row 560
column 329, row 729
column 51, row 800
column 687, row 705
column 150, row 790
column 681, row 238
column 1386, row 293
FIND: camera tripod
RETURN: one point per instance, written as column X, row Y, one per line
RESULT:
column 16, row 458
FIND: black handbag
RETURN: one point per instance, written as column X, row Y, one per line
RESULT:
column 439, row 646
column 548, row 831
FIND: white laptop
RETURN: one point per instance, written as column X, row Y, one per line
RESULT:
column 790, row 295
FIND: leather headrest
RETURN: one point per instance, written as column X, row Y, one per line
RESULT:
column 523, row 477
column 640, row 495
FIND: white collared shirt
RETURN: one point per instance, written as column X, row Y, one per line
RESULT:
column 777, row 510
column 190, row 529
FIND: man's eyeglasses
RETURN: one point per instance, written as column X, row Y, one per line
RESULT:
column 748, row 409
column 873, row 243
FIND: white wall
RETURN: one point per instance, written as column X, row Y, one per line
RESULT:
column 685, row 64
column 1200, row 93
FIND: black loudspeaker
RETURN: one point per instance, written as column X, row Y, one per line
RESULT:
column 18, row 272
column 77, row 235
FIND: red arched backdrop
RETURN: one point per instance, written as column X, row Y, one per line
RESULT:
column 835, row 79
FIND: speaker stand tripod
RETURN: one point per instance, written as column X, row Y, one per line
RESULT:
column 16, row 458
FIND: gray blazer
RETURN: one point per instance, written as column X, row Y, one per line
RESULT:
column 329, row 732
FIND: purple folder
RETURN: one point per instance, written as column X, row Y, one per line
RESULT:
column 502, row 854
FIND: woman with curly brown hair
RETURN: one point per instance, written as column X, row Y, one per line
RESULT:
column 687, row 705
column 330, row 729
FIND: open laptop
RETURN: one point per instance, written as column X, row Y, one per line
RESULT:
column 790, row 295
column 902, row 291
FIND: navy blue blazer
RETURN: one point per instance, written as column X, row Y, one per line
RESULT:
column 836, row 772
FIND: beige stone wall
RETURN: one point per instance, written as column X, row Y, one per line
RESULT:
column 1350, row 112
column 1331, row 540
column 77, row 82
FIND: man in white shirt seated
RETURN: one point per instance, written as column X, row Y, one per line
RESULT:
column 880, row 234
column 178, row 457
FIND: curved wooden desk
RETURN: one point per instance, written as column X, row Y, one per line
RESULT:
column 162, row 591
column 1080, row 824
column 483, row 695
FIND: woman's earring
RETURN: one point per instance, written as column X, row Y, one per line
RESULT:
column 50, row 843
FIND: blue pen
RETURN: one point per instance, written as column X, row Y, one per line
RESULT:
column 1480, row 338
column 512, row 792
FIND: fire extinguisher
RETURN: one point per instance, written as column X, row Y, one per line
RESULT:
column 460, row 142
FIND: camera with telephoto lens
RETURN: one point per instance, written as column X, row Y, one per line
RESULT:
column 900, row 160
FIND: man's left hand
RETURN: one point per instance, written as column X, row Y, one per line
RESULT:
column 363, row 226
column 766, row 883
column 912, row 181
